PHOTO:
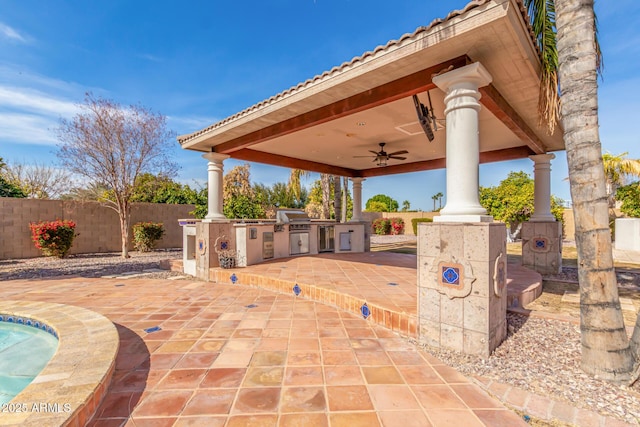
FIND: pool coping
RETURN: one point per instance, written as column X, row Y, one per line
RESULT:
column 71, row 386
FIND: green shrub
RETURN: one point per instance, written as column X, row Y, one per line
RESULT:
column 415, row 221
column 145, row 235
column 381, row 226
column 629, row 195
column 53, row 238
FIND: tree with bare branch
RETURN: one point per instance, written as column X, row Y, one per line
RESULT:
column 39, row 181
column 112, row 145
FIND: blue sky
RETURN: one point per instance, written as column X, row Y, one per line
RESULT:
column 199, row 62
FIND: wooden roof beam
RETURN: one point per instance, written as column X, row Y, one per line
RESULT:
column 499, row 107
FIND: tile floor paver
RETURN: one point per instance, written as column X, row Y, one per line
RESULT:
column 287, row 361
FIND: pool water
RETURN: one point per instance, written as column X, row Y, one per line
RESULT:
column 24, row 352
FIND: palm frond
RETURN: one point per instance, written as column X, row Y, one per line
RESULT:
column 542, row 16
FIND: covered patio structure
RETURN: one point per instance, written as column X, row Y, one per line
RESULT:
column 477, row 75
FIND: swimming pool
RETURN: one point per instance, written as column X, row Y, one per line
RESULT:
column 24, row 352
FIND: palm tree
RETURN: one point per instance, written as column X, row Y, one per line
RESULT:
column 439, row 195
column 294, row 182
column 345, row 191
column 337, row 197
column 606, row 352
column 434, row 198
column 325, row 183
column 616, row 168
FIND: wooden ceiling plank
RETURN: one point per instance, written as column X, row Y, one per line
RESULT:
column 500, row 108
column 392, row 91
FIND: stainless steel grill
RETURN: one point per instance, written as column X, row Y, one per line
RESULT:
column 294, row 218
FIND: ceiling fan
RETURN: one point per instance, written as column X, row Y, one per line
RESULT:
column 382, row 157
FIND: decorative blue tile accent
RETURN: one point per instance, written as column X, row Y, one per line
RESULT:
column 540, row 243
column 297, row 290
column 365, row 310
column 224, row 245
column 27, row 321
column 153, row 329
column 251, row 306
column 200, row 245
column 451, row 275
column 392, row 284
column 233, row 278
column 501, row 275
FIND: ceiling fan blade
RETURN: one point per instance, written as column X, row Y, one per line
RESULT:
column 399, row 152
column 397, row 158
column 374, row 152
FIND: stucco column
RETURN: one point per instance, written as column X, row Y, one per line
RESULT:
column 463, row 143
column 542, row 188
column 357, row 199
column 215, row 180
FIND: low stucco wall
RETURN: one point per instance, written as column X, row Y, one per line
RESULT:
column 406, row 217
column 97, row 226
column 569, row 225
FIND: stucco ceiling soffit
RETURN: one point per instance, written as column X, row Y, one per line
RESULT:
column 401, row 88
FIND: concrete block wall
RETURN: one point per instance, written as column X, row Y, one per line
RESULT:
column 98, row 226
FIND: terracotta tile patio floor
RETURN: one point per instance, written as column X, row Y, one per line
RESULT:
column 233, row 355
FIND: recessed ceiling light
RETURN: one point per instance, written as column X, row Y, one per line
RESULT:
column 361, row 123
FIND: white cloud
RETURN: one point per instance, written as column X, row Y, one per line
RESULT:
column 11, row 34
column 23, row 128
column 35, row 101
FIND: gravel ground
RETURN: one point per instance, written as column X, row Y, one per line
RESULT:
column 88, row 265
column 543, row 357
column 539, row 355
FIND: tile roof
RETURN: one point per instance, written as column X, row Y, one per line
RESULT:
column 338, row 69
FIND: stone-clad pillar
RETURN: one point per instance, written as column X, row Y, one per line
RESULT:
column 215, row 181
column 542, row 234
column 462, row 256
column 463, row 143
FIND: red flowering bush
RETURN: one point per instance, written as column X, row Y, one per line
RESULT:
column 397, row 226
column 145, row 235
column 381, row 226
column 388, row 226
column 53, row 238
